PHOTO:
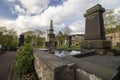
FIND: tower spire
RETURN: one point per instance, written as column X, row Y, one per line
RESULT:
column 51, row 25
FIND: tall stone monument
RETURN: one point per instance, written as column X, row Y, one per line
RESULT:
column 50, row 42
column 94, row 31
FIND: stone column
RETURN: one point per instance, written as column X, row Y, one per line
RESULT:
column 94, row 31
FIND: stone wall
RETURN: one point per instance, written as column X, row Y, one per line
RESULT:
column 50, row 67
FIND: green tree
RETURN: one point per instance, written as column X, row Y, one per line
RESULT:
column 110, row 19
column 39, row 37
column 8, row 37
column 29, row 36
column 60, row 38
column 66, row 31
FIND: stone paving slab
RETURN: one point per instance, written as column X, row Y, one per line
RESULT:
column 105, row 73
column 106, row 61
column 6, row 64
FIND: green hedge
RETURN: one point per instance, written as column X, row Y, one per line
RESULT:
column 24, row 63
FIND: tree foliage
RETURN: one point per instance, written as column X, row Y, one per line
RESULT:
column 110, row 19
column 66, row 31
column 113, row 30
column 8, row 37
column 34, row 37
column 62, row 35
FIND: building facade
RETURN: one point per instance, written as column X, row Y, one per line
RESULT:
column 114, row 38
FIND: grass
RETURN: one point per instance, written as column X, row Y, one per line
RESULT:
column 114, row 47
column 72, row 47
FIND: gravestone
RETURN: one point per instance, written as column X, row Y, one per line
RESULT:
column 50, row 42
column 21, row 40
column 69, row 41
column 94, row 31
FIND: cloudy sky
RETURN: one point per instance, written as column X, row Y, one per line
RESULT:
column 23, row 15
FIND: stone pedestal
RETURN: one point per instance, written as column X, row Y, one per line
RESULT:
column 51, row 45
column 100, row 46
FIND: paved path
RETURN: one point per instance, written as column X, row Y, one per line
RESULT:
column 6, row 64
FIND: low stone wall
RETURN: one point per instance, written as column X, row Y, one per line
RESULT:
column 50, row 67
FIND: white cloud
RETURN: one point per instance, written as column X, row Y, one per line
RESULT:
column 34, row 6
column 19, row 10
column 78, row 27
column 70, row 12
column 110, row 4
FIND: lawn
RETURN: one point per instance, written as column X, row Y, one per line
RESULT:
column 72, row 47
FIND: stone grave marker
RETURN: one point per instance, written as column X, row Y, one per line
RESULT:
column 94, row 31
column 21, row 40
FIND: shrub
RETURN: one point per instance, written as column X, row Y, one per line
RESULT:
column 24, row 63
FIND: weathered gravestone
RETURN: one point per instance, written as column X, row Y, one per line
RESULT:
column 21, row 40
column 94, row 31
column 50, row 42
column 69, row 41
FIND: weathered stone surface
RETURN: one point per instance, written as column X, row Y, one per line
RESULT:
column 69, row 41
column 94, row 23
column 96, row 44
column 88, row 70
column 101, row 46
column 106, row 61
column 50, row 67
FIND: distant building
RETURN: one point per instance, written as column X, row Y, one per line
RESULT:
column 77, row 39
column 114, row 38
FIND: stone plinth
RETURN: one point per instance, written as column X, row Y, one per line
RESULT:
column 94, row 31
column 51, row 45
column 101, row 46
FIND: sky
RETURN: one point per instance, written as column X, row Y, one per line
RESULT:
column 24, row 15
